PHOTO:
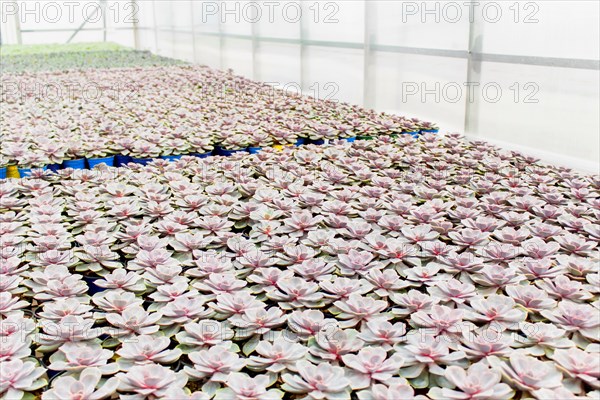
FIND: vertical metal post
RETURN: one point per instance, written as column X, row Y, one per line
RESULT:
column 193, row 30
column 367, row 87
column 303, row 49
column 221, row 40
column 473, row 75
column 155, row 26
column 18, row 26
column 104, row 33
column 255, row 46
column 136, row 31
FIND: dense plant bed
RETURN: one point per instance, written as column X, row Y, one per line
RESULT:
column 48, row 118
column 60, row 61
column 28, row 49
column 385, row 269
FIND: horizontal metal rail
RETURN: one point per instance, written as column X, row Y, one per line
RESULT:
column 574, row 63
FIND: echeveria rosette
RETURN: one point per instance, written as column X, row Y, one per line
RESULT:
column 478, row 382
column 77, row 357
column 89, row 386
column 241, row 386
column 19, row 377
column 215, row 363
column 149, row 381
column 527, row 373
column 317, row 381
column 146, row 349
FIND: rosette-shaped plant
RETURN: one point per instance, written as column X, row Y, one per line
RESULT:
column 317, row 381
column 10, row 304
column 116, row 300
column 204, row 334
column 19, row 377
column 134, row 320
column 495, row 309
column 257, row 321
column 87, row 387
column 150, row 381
column 424, row 351
column 570, row 316
column 242, row 387
column 392, row 389
column 380, row 332
column 296, row 293
column 235, row 303
column 76, row 357
column 184, row 309
column 216, row 363
column 527, row 373
column 146, row 349
column 122, row 279
column 277, row 356
column 369, row 365
column 478, row 382
column 579, row 364
column 357, row 309
column 71, row 328
column 14, row 347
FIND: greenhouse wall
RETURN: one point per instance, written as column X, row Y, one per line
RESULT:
column 461, row 64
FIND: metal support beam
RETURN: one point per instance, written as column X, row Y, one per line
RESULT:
column 136, row 32
column 303, row 49
column 155, row 26
column 193, row 30
column 473, row 75
column 368, row 89
column 100, row 6
column 255, row 44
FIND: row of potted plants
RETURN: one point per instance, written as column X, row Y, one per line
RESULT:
column 77, row 60
column 396, row 268
column 49, row 118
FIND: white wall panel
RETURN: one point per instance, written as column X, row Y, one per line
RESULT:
column 333, row 73
column 280, row 20
column 431, row 88
column 237, row 55
column 208, row 50
column 279, row 64
column 433, row 25
column 565, row 29
column 340, row 21
column 543, row 108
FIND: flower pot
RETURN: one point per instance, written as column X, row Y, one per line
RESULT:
column 318, row 142
column 142, row 161
column 203, row 155
column 3, row 171
column 349, row 139
column 12, row 172
column 121, row 160
column 109, row 161
column 171, row 158
column 300, row 141
column 254, row 150
column 228, row 153
column 361, row 137
column 413, row 134
column 25, row 172
column 54, row 167
column 75, row 164
column 430, row 130
column 280, row 147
